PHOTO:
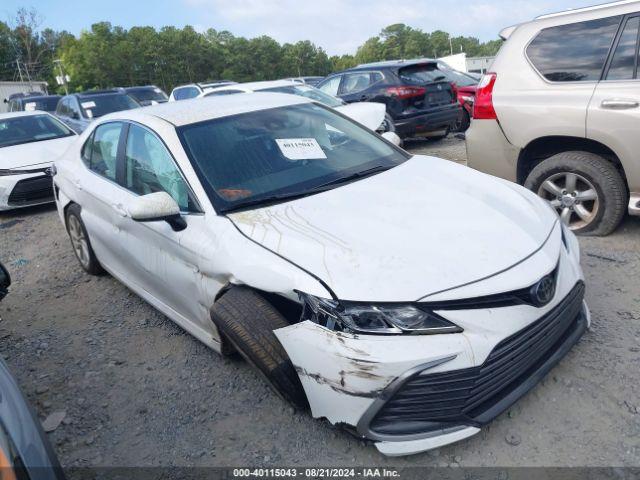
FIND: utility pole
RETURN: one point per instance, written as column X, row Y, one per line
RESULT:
column 19, row 70
column 62, row 76
column 450, row 45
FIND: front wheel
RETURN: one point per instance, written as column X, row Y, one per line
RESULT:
column 586, row 190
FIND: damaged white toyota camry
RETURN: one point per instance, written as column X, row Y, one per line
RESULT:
column 406, row 298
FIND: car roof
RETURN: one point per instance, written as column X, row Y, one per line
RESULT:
column 394, row 63
column 4, row 116
column 589, row 8
column 256, row 86
column 197, row 110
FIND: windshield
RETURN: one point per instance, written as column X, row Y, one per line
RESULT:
column 308, row 92
column 95, row 106
column 31, row 128
column 248, row 159
column 46, row 104
column 147, row 94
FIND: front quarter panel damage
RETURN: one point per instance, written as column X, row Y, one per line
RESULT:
column 342, row 374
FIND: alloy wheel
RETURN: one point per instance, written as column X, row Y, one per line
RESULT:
column 573, row 196
column 79, row 241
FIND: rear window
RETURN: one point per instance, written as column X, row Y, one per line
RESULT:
column 575, row 52
column 421, row 74
column 185, row 93
column 147, row 94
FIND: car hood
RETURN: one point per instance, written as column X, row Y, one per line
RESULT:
column 369, row 114
column 34, row 154
column 424, row 226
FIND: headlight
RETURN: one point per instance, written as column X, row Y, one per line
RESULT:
column 386, row 319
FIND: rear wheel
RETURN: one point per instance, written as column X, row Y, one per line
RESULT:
column 80, row 241
column 463, row 121
column 247, row 320
column 587, row 191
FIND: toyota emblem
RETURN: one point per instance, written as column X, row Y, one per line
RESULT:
column 543, row 291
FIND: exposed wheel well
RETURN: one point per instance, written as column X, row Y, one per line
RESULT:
column 289, row 309
column 545, row 147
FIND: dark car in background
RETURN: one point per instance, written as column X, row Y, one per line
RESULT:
column 419, row 105
column 146, row 95
column 30, row 101
column 25, row 451
column 78, row 110
column 465, row 87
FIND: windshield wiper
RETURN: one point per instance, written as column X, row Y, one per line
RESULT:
column 264, row 201
column 354, row 176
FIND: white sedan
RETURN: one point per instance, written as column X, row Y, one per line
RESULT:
column 372, row 115
column 29, row 143
column 407, row 298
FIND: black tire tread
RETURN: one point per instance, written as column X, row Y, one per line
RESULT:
column 602, row 173
column 247, row 320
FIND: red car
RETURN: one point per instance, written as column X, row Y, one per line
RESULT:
column 466, row 86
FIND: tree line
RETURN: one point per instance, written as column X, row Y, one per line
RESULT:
column 106, row 55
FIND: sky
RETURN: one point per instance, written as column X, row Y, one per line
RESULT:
column 339, row 26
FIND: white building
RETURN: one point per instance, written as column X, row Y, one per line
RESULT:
column 479, row 64
column 9, row 88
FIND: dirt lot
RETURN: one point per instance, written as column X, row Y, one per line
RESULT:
column 136, row 390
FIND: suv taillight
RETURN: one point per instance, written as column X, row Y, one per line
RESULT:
column 483, row 106
column 406, row 92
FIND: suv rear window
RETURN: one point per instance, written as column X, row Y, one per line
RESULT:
column 421, row 74
column 575, row 52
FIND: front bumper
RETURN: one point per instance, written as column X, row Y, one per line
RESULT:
column 386, row 388
column 435, row 119
column 17, row 191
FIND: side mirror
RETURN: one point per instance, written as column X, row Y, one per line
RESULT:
column 5, row 281
column 155, row 207
column 393, row 138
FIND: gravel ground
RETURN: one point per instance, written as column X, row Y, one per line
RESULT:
column 132, row 389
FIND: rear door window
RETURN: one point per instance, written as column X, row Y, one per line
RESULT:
column 575, row 52
column 355, row 82
column 623, row 64
column 101, row 150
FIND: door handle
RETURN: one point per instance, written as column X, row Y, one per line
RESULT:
column 120, row 210
column 364, row 98
column 619, row 104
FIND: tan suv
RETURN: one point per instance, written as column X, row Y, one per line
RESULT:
column 560, row 113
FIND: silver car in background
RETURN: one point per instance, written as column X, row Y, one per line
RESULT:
column 559, row 112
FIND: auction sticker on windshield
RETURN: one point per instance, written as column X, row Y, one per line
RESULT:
column 300, row 148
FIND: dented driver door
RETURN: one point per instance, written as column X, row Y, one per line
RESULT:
column 160, row 261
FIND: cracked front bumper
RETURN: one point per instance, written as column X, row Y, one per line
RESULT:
column 390, row 388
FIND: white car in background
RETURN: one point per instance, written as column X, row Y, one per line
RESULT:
column 29, row 143
column 369, row 284
column 192, row 90
column 370, row 114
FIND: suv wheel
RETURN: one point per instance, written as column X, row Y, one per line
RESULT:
column 587, row 191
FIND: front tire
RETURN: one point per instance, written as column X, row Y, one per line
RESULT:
column 80, row 241
column 588, row 191
column 247, row 320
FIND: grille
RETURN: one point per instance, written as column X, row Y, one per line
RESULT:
column 465, row 396
column 32, row 190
